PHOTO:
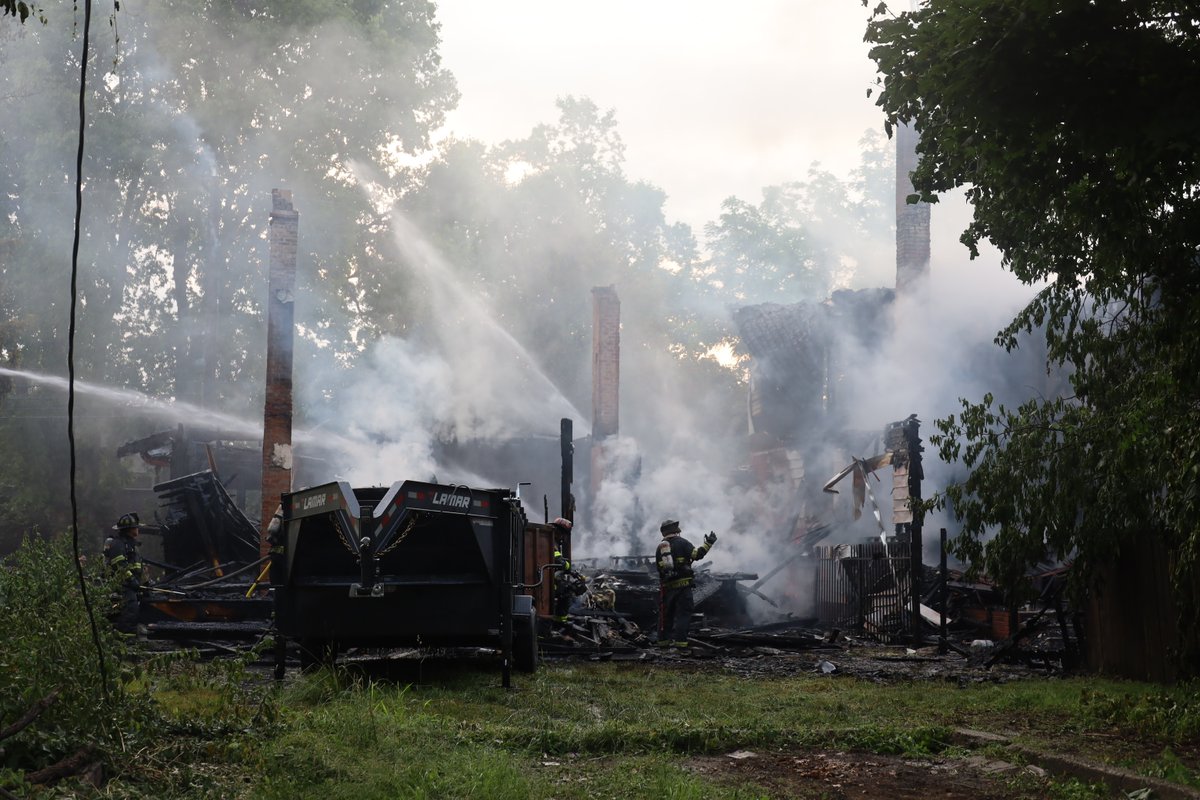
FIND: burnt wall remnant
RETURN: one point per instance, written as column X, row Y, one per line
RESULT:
column 277, row 411
column 912, row 219
column 606, row 375
column 801, row 353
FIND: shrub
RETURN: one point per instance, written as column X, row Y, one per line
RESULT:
column 1171, row 714
column 47, row 649
column 160, row 723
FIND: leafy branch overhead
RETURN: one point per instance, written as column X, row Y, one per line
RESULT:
column 1071, row 127
column 21, row 10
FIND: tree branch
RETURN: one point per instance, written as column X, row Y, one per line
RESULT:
column 29, row 716
column 73, row 764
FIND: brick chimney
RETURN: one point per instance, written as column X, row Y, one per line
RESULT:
column 912, row 220
column 277, row 413
column 606, row 374
column 606, row 360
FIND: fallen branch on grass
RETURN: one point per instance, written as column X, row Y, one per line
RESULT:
column 29, row 716
column 78, row 762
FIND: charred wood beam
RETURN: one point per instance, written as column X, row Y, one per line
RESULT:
column 755, row 592
column 152, row 442
column 1052, row 592
column 779, row 568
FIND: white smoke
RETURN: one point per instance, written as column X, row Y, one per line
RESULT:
column 616, row 505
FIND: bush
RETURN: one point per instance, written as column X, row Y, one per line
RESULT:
column 1169, row 714
column 47, row 649
column 161, row 725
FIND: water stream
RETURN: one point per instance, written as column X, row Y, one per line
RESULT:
column 473, row 325
column 230, row 426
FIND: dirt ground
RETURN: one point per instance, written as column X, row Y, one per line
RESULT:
column 856, row 776
column 828, row 775
column 881, row 664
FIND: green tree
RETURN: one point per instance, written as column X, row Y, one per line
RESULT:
column 805, row 237
column 20, row 9
column 194, row 114
column 1072, row 126
column 204, row 108
column 533, row 224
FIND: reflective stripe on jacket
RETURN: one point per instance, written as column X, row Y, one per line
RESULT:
column 674, row 558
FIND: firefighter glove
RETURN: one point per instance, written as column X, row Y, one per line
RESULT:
column 710, row 538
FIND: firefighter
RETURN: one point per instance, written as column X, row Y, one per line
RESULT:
column 567, row 582
column 674, row 559
column 125, row 564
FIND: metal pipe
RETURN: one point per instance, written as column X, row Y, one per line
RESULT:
column 915, row 472
column 566, row 448
column 506, row 593
column 541, row 579
column 942, row 646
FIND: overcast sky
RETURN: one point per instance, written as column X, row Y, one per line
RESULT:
column 712, row 99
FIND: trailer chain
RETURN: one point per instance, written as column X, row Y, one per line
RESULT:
column 337, row 524
column 412, row 522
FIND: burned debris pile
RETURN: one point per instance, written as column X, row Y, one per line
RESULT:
column 719, row 596
column 205, row 590
column 211, row 593
column 861, row 606
column 620, row 609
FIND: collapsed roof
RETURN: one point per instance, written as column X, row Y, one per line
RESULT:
column 800, row 352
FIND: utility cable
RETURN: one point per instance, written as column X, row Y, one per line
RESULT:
column 83, row 589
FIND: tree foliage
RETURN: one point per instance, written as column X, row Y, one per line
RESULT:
column 534, row 224
column 202, row 110
column 21, row 10
column 123, row 715
column 1071, row 126
column 805, row 237
column 197, row 110
column 194, row 114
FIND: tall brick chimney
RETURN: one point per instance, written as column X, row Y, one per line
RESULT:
column 277, row 412
column 606, row 374
column 606, row 360
column 912, row 220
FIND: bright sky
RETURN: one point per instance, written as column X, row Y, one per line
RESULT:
column 712, row 99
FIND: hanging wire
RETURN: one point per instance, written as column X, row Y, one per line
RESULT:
column 83, row 589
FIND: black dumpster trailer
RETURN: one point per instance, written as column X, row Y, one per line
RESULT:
column 413, row 564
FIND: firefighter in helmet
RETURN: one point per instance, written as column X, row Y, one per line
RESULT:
column 674, row 558
column 125, row 563
column 568, row 583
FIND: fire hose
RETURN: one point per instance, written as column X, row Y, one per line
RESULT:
column 226, row 577
column 265, row 570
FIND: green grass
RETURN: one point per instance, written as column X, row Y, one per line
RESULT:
column 627, row 731
column 168, row 726
column 463, row 736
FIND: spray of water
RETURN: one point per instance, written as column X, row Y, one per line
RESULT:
column 466, row 319
column 152, row 406
column 188, row 413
